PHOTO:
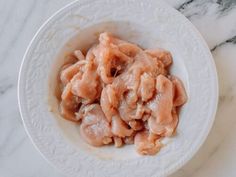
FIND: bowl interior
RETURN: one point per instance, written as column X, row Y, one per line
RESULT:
column 83, row 40
column 150, row 25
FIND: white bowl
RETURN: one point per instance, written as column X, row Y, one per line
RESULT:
column 151, row 25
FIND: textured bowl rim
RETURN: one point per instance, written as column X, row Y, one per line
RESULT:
column 194, row 150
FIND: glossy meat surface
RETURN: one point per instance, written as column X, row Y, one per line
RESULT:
column 122, row 94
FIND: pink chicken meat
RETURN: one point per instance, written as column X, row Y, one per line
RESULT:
column 122, row 94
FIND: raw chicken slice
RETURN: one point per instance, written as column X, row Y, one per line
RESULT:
column 79, row 55
column 129, row 139
column 129, row 49
column 145, row 145
column 90, row 54
column 68, row 99
column 125, row 111
column 86, row 87
column 131, row 98
column 119, row 127
column 145, row 63
column 80, row 113
column 69, row 104
column 162, row 103
column 95, row 128
column 156, row 127
column 105, row 39
column 68, row 73
column 162, row 55
column 136, row 125
column 147, row 87
column 103, row 56
column 112, row 96
column 139, row 111
column 118, row 141
column 109, row 58
column 180, row 96
column 171, row 127
column 164, row 129
column 120, row 85
column 128, row 113
column 67, row 113
column 122, row 48
column 125, row 47
column 108, row 102
column 153, row 137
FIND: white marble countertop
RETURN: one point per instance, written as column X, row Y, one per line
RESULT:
column 216, row 21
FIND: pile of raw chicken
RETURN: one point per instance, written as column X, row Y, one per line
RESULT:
column 122, row 94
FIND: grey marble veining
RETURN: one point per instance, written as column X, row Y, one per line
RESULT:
column 216, row 21
column 228, row 41
column 226, row 5
column 200, row 7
